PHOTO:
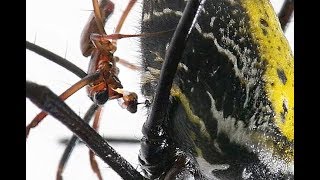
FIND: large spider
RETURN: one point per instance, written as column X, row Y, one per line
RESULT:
column 150, row 83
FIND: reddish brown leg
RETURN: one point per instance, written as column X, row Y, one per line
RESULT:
column 106, row 9
column 74, row 88
column 100, row 16
column 127, row 64
column 124, row 15
column 93, row 162
column 123, row 18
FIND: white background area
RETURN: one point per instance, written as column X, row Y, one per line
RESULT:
column 57, row 25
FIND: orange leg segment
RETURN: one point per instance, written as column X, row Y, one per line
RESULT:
column 74, row 88
column 123, row 17
column 93, row 161
column 106, row 9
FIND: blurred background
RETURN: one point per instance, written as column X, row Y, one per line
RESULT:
column 56, row 26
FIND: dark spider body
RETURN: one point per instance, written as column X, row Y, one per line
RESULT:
column 224, row 120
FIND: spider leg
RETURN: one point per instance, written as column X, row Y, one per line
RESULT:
column 56, row 59
column 129, row 65
column 169, row 67
column 72, row 142
column 123, row 18
column 103, row 10
column 65, row 141
column 152, row 141
column 74, row 88
column 93, row 162
column 45, row 99
column 286, row 13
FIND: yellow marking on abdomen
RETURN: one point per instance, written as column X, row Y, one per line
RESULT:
column 275, row 51
column 176, row 92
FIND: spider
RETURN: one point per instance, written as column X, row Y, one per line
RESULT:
column 80, row 96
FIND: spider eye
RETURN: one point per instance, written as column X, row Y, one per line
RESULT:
column 101, row 97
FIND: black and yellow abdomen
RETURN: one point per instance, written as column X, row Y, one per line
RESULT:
column 232, row 99
column 275, row 51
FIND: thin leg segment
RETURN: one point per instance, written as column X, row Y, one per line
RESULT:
column 286, row 13
column 56, row 59
column 73, row 141
column 80, row 84
column 123, row 17
column 93, row 161
column 106, row 9
column 45, row 99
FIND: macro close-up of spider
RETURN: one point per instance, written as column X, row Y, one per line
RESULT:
column 179, row 89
